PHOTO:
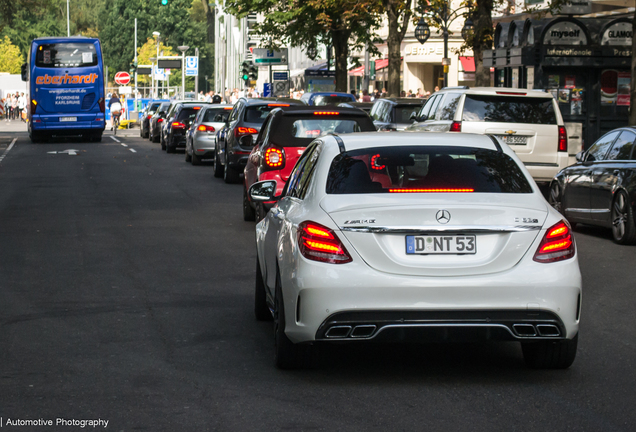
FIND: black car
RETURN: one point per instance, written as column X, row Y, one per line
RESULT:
column 246, row 118
column 178, row 120
column 146, row 115
column 364, row 106
column 392, row 114
column 600, row 189
column 156, row 121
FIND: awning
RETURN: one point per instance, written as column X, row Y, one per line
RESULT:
column 359, row 71
column 468, row 64
column 379, row 64
column 382, row 63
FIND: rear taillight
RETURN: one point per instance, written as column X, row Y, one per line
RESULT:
column 556, row 245
column 319, row 243
column 240, row 131
column 204, row 128
column 456, row 126
column 159, row 120
column 34, row 104
column 563, row 139
column 178, row 125
column 148, row 117
column 102, row 104
column 274, row 158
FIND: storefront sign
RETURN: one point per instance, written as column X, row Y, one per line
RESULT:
column 565, row 33
column 568, row 52
column 624, row 82
column 576, row 7
column 570, row 81
column 619, row 33
column 424, row 50
column 609, row 84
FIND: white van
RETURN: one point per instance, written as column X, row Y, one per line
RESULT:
column 529, row 121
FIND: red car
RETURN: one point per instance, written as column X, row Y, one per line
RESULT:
column 284, row 136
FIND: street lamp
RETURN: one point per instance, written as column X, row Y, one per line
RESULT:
column 152, row 77
column 183, row 49
column 157, row 36
column 443, row 17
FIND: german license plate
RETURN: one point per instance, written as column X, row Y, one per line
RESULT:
column 68, row 119
column 514, row 140
column 441, row 244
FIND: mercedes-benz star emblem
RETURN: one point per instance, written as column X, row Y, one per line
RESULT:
column 443, row 216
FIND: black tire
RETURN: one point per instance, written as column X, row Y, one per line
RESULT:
column 170, row 149
column 188, row 158
column 35, row 137
column 156, row 139
column 261, row 310
column 163, row 145
column 97, row 137
column 623, row 229
column 554, row 196
column 288, row 355
column 141, row 131
column 559, row 354
column 259, row 212
column 231, row 175
column 219, row 170
column 196, row 159
column 248, row 212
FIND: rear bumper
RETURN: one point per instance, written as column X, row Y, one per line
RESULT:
column 203, row 143
column 69, row 128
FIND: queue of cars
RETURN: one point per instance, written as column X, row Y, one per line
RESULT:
column 415, row 235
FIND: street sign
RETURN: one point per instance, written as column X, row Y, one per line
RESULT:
column 281, row 76
column 170, row 64
column 267, row 90
column 122, row 78
column 125, row 90
column 192, row 66
column 160, row 74
column 281, row 88
column 265, row 56
column 144, row 70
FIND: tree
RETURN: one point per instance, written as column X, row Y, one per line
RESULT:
column 399, row 14
column 148, row 50
column 10, row 57
column 344, row 24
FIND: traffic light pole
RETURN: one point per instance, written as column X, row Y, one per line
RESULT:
column 136, row 108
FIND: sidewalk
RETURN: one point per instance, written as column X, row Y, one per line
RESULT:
column 12, row 126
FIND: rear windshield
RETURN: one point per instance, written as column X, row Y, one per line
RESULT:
column 299, row 132
column 425, row 170
column 66, row 55
column 188, row 114
column 216, row 115
column 331, row 100
column 257, row 114
column 403, row 113
column 509, row 109
column 153, row 108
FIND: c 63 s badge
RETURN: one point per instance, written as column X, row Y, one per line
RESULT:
column 526, row 220
column 359, row 221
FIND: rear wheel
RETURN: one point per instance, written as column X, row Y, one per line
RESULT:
column 248, row 212
column 196, row 159
column 623, row 229
column 218, row 168
column 188, row 158
column 259, row 212
column 550, row 354
column 231, row 175
column 261, row 310
column 97, row 137
column 288, row 354
column 555, row 196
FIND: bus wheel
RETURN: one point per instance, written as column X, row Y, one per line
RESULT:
column 35, row 137
column 97, row 137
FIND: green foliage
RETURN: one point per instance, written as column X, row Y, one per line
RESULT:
column 10, row 57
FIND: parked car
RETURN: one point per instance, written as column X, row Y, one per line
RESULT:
column 428, row 236
column 364, row 106
column 201, row 136
column 145, row 116
column 156, row 121
column 246, row 118
column 529, row 121
column 282, row 140
column 600, row 188
column 327, row 98
column 394, row 114
column 178, row 123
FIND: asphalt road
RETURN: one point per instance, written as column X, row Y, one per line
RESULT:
column 126, row 294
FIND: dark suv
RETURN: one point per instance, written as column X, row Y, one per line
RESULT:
column 156, row 121
column 394, row 114
column 172, row 122
column 146, row 115
column 246, row 118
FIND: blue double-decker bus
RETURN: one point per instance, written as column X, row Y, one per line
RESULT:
column 66, row 88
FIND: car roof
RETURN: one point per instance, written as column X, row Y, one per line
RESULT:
column 404, row 101
column 213, row 105
column 362, row 140
column 269, row 100
column 501, row 91
column 310, row 110
column 329, row 93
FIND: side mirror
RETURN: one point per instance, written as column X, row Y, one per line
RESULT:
column 580, row 156
column 246, row 141
column 413, row 117
column 422, row 118
column 162, row 113
column 263, row 191
column 24, row 71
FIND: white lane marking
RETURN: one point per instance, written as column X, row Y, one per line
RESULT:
column 125, row 145
column 8, row 148
column 70, row 152
column 133, row 150
column 114, row 139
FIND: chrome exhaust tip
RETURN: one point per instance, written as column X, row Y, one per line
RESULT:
column 363, row 331
column 548, row 330
column 338, row 332
column 525, row 330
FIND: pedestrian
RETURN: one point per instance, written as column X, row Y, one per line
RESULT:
column 436, row 89
column 14, row 107
column 403, row 93
column 22, row 107
column 365, row 96
column 7, row 105
column 353, row 92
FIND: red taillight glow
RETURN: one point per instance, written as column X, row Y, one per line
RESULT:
column 274, row 157
column 326, row 113
column 228, row 108
column 102, row 104
column 374, row 163
column 456, row 126
column 240, row 131
column 204, row 128
column 277, row 105
column 196, row 108
column 314, row 132
column 148, row 117
column 319, row 243
column 563, row 139
column 437, row 190
column 556, row 245
column 178, row 125
column 159, row 120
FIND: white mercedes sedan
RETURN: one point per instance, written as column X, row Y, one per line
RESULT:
column 415, row 237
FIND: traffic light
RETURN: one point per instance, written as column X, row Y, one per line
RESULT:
column 133, row 67
column 253, row 72
column 164, row 2
column 245, row 71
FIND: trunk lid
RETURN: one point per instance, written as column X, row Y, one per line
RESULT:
column 504, row 226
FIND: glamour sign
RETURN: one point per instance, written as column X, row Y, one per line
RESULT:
column 619, row 33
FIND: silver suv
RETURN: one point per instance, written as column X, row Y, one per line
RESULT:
column 529, row 121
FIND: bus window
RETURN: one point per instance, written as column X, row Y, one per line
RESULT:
column 65, row 55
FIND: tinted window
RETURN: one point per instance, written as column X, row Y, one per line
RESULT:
column 66, row 55
column 380, row 111
column 509, row 109
column 447, row 110
column 599, row 149
column 292, row 131
column 416, row 169
column 218, row 115
column 403, row 113
column 296, row 175
column 257, row 114
column 307, row 173
column 622, row 148
column 331, row 100
column 188, row 114
column 153, row 108
column 235, row 111
column 426, row 109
